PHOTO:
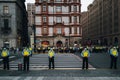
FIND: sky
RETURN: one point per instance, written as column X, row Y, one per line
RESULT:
column 84, row 3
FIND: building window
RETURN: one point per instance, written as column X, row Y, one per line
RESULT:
column 58, row 0
column 75, row 8
column 75, row 30
column 59, row 31
column 44, row 8
column 74, row 0
column 75, row 19
column 58, row 19
column 58, row 9
column 42, row 0
column 70, row 30
column 5, row 9
column 44, row 19
column 44, row 30
column 6, row 23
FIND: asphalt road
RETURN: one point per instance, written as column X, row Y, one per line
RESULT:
column 102, row 60
column 40, row 61
column 68, row 67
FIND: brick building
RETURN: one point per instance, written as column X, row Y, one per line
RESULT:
column 57, row 22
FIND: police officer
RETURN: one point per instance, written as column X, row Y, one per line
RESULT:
column 85, row 54
column 5, row 56
column 51, row 58
column 113, row 56
column 30, row 49
column 26, row 53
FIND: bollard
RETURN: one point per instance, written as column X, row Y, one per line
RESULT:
column 19, row 66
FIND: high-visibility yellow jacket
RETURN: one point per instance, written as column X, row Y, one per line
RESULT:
column 114, row 52
column 51, row 53
column 4, row 53
column 26, row 52
column 85, row 53
column 30, row 49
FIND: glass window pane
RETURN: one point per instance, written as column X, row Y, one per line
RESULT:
column 58, row 0
column 5, row 9
column 58, row 9
column 59, row 19
column 75, row 19
column 75, row 8
column 45, row 30
column 44, row 8
column 44, row 19
column 59, row 31
column 6, row 23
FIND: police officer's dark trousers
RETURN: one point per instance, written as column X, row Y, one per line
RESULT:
column 26, row 63
column 51, row 61
column 113, row 62
column 6, row 63
column 85, row 63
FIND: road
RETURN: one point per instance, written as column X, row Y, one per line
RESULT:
column 67, row 67
column 40, row 61
column 101, row 60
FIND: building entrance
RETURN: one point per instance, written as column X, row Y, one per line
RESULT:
column 59, row 44
column 45, row 43
column 6, row 44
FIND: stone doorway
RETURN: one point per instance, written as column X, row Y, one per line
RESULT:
column 59, row 43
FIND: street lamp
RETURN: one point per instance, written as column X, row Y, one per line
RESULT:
column 69, row 35
column 34, row 29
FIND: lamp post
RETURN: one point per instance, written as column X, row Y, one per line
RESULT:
column 34, row 30
column 69, row 34
column 34, row 38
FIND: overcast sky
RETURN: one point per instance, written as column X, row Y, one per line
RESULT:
column 84, row 3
